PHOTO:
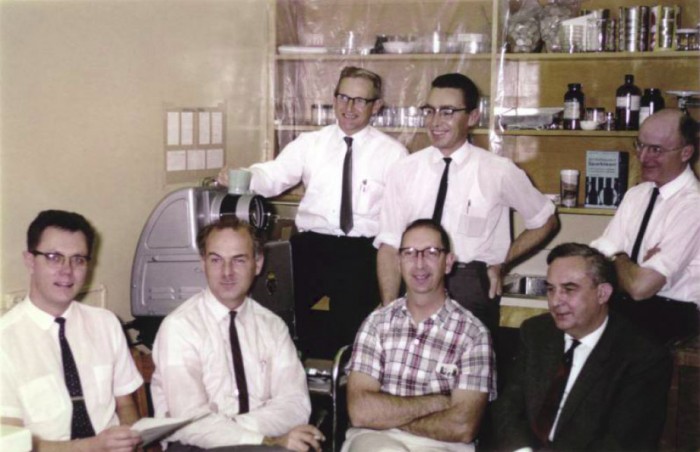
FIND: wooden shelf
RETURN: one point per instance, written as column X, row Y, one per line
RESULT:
column 384, row 57
column 571, row 133
column 567, row 57
column 586, row 211
column 308, row 128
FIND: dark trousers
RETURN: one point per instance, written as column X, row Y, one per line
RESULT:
column 666, row 319
column 345, row 270
column 468, row 284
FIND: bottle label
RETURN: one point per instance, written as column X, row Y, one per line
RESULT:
column 629, row 102
column 572, row 109
column 644, row 113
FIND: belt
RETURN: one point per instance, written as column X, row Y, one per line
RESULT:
column 473, row 265
column 336, row 237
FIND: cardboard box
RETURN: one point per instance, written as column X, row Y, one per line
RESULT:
column 606, row 178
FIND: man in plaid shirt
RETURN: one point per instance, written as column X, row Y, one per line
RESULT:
column 422, row 369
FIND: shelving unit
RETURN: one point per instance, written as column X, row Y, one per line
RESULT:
column 511, row 80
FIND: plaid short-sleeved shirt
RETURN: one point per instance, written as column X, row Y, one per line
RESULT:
column 449, row 350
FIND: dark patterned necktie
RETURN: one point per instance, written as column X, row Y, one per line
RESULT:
column 81, row 427
column 346, row 222
column 548, row 413
column 238, row 366
column 643, row 226
column 442, row 192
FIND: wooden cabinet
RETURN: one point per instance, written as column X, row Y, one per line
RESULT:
column 540, row 80
column 299, row 80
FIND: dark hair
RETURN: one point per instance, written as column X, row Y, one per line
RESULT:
column 600, row 268
column 67, row 221
column 357, row 72
column 463, row 83
column 688, row 130
column 432, row 225
column 229, row 222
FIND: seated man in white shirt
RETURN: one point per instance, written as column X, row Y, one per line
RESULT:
column 65, row 369
column 224, row 355
column 585, row 378
column 422, row 368
column 654, row 237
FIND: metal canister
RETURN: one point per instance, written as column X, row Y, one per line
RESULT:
column 663, row 24
column 610, row 35
column 629, row 30
column 643, row 36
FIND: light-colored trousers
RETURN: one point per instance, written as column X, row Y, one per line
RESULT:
column 395, row 440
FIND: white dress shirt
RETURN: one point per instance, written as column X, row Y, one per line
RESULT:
column 194, row 373
column 32, row 385
column 316, row 159
column 674, row 227
column 581, row 354
column 482, row 188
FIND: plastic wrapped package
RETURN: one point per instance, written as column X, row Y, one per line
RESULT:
column 523, row 27
column 551, row 18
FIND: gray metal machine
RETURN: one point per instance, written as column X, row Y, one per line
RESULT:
column 167, row 268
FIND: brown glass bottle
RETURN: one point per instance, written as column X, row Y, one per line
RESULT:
column 573, row 107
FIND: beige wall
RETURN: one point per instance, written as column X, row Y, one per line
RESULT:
column 82, row 90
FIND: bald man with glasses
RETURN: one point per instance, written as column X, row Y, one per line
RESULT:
column 654, row 237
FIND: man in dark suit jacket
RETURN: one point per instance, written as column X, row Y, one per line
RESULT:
column 615, row 393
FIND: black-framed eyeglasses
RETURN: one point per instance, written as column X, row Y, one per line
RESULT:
column 431, row 253
column 444, row 112
column 358, row 101
column 57, row 259
column 653, row 149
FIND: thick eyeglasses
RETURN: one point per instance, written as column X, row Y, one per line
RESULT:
column 430, row 253
column 57, row 259
column 653, row 149
column 358, row 101
column 444, row 112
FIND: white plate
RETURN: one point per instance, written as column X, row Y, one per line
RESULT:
column 301, row 49
column 684, row 93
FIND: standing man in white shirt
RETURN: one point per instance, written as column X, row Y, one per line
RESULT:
column 224, row 355
column 344, row 169
column 468, row 190
column 65, row 369
column 585, row 378
column 654, row 237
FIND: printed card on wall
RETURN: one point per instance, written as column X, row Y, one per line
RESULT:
column 606, row 178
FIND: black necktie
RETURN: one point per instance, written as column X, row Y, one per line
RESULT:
column 442, row 192
column 80, row 427
column 550, row 407
column 238, row 366
column 643, row 227
column 346, row 197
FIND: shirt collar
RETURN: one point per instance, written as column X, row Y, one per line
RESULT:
column 458, row 157
column 221, row 312
column 357, row 137
column 671, row 188
column 590, row 340
column 43, row 319
column 399, row 308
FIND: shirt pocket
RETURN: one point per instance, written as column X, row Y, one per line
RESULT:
column 441, row 383
column 44, row 399
column 473, row 219
column 369, row 197
column 103, row 382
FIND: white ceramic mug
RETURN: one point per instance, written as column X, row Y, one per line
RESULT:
column 239, row 181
